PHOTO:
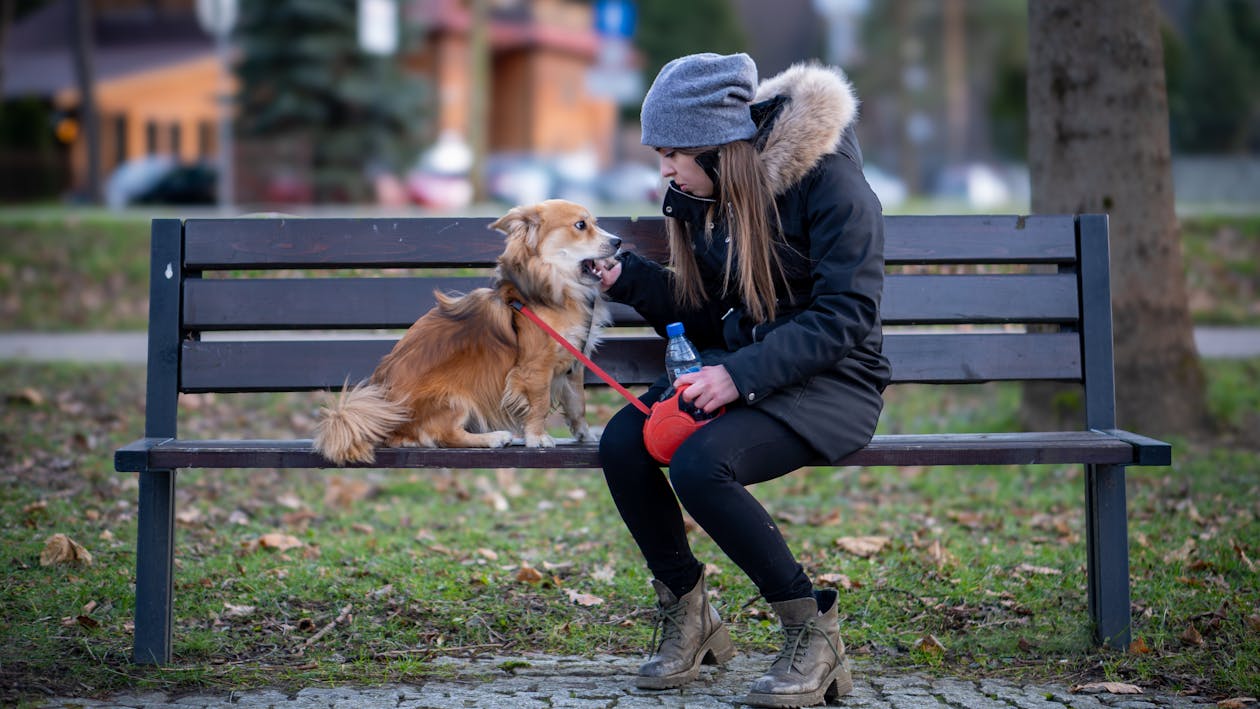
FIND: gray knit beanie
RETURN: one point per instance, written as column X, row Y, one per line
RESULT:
column 699, row 100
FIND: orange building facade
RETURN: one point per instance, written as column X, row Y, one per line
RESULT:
column 538, row 102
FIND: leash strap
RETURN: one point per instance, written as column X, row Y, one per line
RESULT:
column 522, row 309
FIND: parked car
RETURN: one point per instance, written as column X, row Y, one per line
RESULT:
column 631, row 183
column 161, row 179
column 195, row 183
column 135, row 177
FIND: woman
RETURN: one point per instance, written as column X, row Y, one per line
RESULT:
column 776, row 270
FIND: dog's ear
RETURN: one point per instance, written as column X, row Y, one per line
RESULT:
column 521, row 223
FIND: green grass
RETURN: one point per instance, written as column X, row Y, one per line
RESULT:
column 74, row 274
column 1223, row 268
column 402, row 567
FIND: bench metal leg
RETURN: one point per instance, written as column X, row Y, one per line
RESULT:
column 1107, row 537
column 155, row 561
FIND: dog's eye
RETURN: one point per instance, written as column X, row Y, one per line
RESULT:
column 580, row 225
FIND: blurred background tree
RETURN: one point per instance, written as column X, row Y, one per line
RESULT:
column 305, row 81
column 1099, row 143
column 1213, row 71
column 667, row 29
column 925, row 65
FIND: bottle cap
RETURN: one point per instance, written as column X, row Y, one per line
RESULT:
column 674, row 329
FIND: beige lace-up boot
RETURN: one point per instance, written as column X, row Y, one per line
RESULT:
column 690, row 633
column 811, row 667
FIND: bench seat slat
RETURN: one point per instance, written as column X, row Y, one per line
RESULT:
column 212, row 244
column 320, row 303
column 299, row 365
column 943, row 449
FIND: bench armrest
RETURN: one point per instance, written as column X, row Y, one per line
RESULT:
column 1146, row 451
column 134, row 457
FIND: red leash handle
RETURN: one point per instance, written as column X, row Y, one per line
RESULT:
column 520, row 307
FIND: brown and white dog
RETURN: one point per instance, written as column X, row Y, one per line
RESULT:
column 473, row 372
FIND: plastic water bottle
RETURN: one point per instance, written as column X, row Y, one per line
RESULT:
column 680, row 355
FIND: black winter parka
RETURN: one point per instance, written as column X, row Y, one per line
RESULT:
column 819, row 366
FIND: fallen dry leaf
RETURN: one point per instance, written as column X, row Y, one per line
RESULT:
column 488, row 554
column 343, row 492
column 1106, row 688
column 836, row 581
column 1043, row 570
column 1236, row 702
column 1191, row 636
column 1139, row 647
column 27, row 396
column 1253, row 622
column 604, row 572
column 1242, row 555
column 60, row 549
column 929, row 644
column 971, row 520
column 939, row 555
column 528, row 574
column 863, row 546
column 290, row 501
column 363, row 528
column 583, row 599
column 234, row 611
column 1182, row 553
column 278, row 541
column 80, row 620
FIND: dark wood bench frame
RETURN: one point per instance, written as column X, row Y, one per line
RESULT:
column 1070, row 303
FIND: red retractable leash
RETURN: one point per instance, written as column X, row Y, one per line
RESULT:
column 670, row 421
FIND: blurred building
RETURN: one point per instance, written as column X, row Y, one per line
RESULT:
column 156, row 76
column 540, row 53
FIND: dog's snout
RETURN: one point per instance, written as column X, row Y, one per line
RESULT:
column 615, row 241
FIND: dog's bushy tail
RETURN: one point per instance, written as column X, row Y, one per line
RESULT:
column 350, row 429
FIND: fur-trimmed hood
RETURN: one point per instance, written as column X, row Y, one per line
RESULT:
column 815, row 106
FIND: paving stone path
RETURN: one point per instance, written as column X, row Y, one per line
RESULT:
column 606, row 682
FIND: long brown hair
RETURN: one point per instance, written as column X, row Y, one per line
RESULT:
column 747, row 205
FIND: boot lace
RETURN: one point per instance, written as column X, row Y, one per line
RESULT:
column 796, row 643
column 667, row 626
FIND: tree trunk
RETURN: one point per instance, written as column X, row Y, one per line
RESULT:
column 957, row 90
column 81, row 32
column 1098, row 142
column 8, row 9
column 479, row 88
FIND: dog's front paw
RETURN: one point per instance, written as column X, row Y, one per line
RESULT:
column 585, row 433
column 498, row 439
column 539, row 441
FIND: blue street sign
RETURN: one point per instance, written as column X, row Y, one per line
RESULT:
column 615, row 18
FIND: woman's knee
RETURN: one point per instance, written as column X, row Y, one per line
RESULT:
column 695, row 471
column 621, row 450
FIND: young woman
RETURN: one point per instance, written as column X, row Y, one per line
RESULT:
column 776, row 270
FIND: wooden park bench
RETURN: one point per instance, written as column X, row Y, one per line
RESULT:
column 239, row 277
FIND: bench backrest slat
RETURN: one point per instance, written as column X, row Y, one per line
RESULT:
column 368, row 303
column 297, row 365
column 216, row 244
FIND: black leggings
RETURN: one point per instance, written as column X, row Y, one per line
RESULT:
column 708, row 473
